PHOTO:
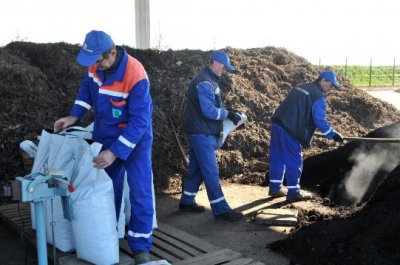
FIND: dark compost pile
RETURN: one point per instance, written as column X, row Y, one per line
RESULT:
column 39, row 83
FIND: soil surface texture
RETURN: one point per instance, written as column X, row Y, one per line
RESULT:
column 357, row 181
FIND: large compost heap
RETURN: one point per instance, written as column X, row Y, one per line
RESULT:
column 363, row 233
column 39, row 83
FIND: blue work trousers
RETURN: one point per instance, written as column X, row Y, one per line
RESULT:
column 285, row 160
column 203, row 167
column 139, row 176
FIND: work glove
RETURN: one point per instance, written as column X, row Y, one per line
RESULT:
column 234, row 111
column 338, row 138
column 234, row 117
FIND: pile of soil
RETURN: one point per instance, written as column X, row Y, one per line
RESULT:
column 329, row 173
column 357, row 235
column 365, row 228
column 40, row 81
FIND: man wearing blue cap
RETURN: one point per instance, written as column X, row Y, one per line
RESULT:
column 116, row 86
column 293, row 126
column 203, row 124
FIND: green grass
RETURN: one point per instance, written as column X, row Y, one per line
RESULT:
column 360, row 75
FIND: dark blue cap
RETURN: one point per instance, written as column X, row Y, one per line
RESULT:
column 96, row 42
column 222, row 57
column 331, row 76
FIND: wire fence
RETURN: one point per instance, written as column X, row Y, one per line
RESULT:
column 372, row 75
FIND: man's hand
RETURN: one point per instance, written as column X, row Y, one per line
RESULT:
column 64, row 123
column 234, row 117
column 338, row 138
column 104, row 159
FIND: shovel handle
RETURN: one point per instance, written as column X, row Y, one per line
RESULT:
column 364, row 139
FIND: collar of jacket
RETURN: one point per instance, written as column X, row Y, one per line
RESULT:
column 117, row 62
column 214, row 76
column 119, row 73
column 319, row 86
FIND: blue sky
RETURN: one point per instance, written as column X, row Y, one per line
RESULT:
column 330, row 31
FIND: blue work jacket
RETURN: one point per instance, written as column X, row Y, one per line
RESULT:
column 122, row 106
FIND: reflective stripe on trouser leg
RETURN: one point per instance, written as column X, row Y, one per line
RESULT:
column 276, row 159
column 192, row 181
column 139, row 176
column 203, row 147
column 294, row 164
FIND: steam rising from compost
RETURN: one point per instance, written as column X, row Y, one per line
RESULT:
column 367, row 164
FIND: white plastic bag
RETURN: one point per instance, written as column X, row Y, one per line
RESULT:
column 94, row 228
column 54, row 151
column 121, row 219
column 84, row 133
column 29, row 147
column 93, row 211
column 229, row 126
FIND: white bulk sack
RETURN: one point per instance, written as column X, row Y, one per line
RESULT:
column 54, row 151
column 93, row 226
column 121, row 220
column 84, row 133
column 229, row 126
column 94, row 223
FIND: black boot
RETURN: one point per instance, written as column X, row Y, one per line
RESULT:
column 191, row 208
column 141, row 257
column 230, row 216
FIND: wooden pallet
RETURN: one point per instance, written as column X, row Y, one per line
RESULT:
column 169, row 243
column 17, row 216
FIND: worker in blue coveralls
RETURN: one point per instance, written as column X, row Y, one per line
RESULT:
column 117, row 88
column 293, row 126
column 204, row 116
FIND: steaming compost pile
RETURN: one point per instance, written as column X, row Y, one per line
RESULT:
column 363, row 233
column 39, row 83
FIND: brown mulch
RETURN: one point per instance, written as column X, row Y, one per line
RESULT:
column 39, row 83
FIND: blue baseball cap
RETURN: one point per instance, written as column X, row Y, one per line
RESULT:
column 96, row 42
column 331, row 76
column 222, row 57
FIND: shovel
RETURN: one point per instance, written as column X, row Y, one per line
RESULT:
column 363, row 139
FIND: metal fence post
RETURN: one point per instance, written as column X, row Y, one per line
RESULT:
column 394, row 70
column 370, row 72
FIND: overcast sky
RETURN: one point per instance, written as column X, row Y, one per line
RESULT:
column 330, row 31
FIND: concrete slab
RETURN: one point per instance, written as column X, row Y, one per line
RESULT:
column 280, row 217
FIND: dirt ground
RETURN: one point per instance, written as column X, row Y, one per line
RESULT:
column 246, row 237
column 379, row 88
column 39, row 83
